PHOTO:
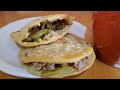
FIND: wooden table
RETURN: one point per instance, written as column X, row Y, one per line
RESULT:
column 98, row 70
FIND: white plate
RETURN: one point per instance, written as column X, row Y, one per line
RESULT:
column 9, row 62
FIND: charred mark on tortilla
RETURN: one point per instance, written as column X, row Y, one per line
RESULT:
column 26, row 54
column 18, row 31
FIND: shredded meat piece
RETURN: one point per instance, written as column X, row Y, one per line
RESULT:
column 80, row 64
column 50, row 66
column 43, row 66
column 38, row 66
column 46, row 66
column 50, row 26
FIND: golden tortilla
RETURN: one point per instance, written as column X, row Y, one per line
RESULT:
column 23, row 33
column 69, row 71
column 68, row 49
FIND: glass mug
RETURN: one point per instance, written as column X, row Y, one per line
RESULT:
column 106, row 36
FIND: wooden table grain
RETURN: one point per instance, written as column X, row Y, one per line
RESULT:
column 98, row 70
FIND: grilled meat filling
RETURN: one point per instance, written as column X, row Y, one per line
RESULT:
column 46, row 66
column 39, row 31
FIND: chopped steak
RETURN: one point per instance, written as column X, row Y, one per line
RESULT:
column 49, row 26
column 34, row 29
column 59, row 24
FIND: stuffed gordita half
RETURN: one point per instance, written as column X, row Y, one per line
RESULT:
column 43, row 30
column 69, row 55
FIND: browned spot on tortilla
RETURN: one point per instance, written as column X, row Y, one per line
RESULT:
column 48, row 53
column 63, row 40
column 66, row 21
column 77, row 38
column 26, row 54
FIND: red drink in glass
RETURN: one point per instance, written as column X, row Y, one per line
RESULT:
column 106, row 36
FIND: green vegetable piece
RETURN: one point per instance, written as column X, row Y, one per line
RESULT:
column 43, row 26
column 39, row 34
column 29, row 39
column 54, row 72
